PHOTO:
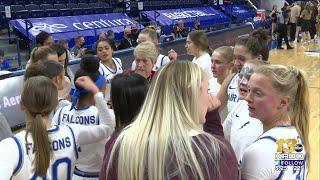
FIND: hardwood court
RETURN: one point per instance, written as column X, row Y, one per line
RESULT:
column 311, row 67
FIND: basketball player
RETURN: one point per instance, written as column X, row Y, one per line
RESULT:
column 278, row 97
column 42, row 150
column 246, row 48
column 239, row 128
column 82, row 111
column 53, row 70
column 109, row 66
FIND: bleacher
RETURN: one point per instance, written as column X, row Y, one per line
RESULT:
column 20, row 11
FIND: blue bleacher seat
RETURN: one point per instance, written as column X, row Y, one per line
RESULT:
column 82, row 1
column 2, row 8
column 52, row 13
column 23, row 14
column 99, row 10
column 109, row 10
column 61, row 1
column 87, row 11
column 37, row 14
column 73, row 1
column 35, row 2
column 59, row 6
column 65, row 12
column 103, row 4
column 93, row 5
column 6, row 2
column 46, row 6
column 72, row 5
column 92, row 1
column 77, row 11
column 15, row 8
column 48, row 1
column 32, row 7
column 83, row 5
column 19, row 2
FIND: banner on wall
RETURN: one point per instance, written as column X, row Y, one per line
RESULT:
column 67, row 27
column 207, row 16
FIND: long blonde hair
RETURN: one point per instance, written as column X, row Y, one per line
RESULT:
column 160, row 133
column 290, row 81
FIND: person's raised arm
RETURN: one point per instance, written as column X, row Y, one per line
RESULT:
column 223, row 92
column 107, row 125
column 104, row 113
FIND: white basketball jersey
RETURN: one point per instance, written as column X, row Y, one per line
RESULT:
column 109, row 73
column 205, row 63
column 64, row 154
column 161, row 61
column 240, row 129
column 277, row 154
column 233, row 92
column 90, row 156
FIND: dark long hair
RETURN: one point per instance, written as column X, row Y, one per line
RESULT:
column 128, row 91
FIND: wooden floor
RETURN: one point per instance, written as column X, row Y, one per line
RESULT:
column 311, row 67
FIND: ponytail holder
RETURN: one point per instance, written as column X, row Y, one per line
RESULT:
column 76, row 93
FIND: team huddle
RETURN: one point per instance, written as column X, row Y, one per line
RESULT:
column 227, row 114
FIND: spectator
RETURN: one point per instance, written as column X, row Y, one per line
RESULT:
column 102, row 36
column 134, row 33
column 294, row 16
column 182, row 29
column 273, row 16
column 126, row 42
column 176, row 33
column 197, row 25
column 65, row 44
column 318, row 22
column 305, row 22
column 4, row 63
column 110, row 36
column 314, row 14
column 283, row 28
column 78, row 49
column 44, row 39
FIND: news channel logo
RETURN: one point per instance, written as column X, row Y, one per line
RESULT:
column 289, row 153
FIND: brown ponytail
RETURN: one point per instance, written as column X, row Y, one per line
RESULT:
column 41, row 145
column 39, row 97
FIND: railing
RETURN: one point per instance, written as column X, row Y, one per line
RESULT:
column 253, row 3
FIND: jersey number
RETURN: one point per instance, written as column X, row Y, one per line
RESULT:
column 55, row 167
